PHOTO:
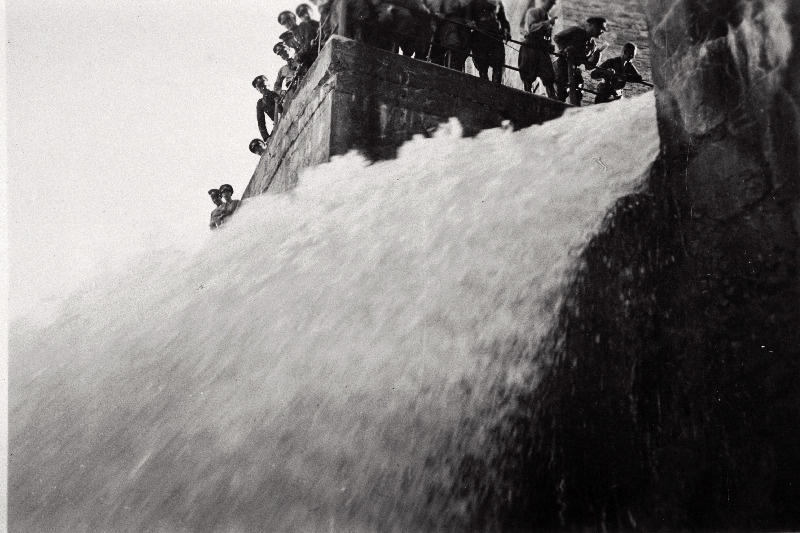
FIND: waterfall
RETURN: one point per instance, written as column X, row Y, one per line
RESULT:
column 322, row 361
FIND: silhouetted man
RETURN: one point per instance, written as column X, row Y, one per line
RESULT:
column 534, row 56
column 615, row 73
column 351, row 19
column 414, row 28
column 451, row 40
column 577, row 47
column 265, row 105
column 304, row 12
column 491, row 30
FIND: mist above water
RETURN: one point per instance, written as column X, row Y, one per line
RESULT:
column 322, row 362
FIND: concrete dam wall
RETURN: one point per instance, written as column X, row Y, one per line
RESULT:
column 358, row 97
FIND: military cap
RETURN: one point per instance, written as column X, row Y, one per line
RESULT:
column 259, row 80
column 286, row 36
column 254, row 143
column 302, row 9
column 213, row 192
column 278, row 47
column 285, row 14
column 224, row 188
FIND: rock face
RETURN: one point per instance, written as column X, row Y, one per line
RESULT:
column 670, row 397
column 728, row 92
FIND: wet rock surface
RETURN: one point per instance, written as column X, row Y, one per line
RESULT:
column 670, row 396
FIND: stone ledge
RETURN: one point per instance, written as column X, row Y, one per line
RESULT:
column 356, row 97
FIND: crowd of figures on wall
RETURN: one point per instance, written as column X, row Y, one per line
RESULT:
column 447, row 33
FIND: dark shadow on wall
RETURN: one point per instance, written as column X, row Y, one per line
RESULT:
column 669, row 400
column 669, row 392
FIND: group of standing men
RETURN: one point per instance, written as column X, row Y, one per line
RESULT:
column 447, row 32
column 303, row 38
column 446, row 35
column 576, row 47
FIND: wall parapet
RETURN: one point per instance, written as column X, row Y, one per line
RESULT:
column 356, row 97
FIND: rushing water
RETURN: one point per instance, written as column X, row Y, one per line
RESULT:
column 319, row 363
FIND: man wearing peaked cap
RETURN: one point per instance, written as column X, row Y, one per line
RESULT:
column 287, row 19
column 577, row 47
column 308, row 24
column 304, row 37
column 289, row 40
column 265, row 105
column 304, row 12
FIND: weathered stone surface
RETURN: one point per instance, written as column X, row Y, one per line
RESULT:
column 359, row 97
column 723, row 179
column 301, row 138
column 670, row 389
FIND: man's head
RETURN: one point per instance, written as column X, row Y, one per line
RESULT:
column 304, row 12
column 288, row 39
column 226, row 191
column 216, row 197
column 596, row 26
column 287, row 20
column 281, row 50
column 260, row 83
column 628, row 51
column 258, row 147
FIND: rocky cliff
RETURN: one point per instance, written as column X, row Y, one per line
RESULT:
column 670, row 396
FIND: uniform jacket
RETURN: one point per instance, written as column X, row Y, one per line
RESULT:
column 536, row 26
column 216, row 216
column 265, row 106
column 286, row 74
column 230, row 207
column 624, row 71
column 582, row 48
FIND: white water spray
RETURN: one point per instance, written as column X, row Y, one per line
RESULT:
column 314, row 364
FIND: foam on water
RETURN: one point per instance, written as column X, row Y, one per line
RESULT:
column 319, row 362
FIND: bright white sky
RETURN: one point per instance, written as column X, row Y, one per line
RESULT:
column 121, row 115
